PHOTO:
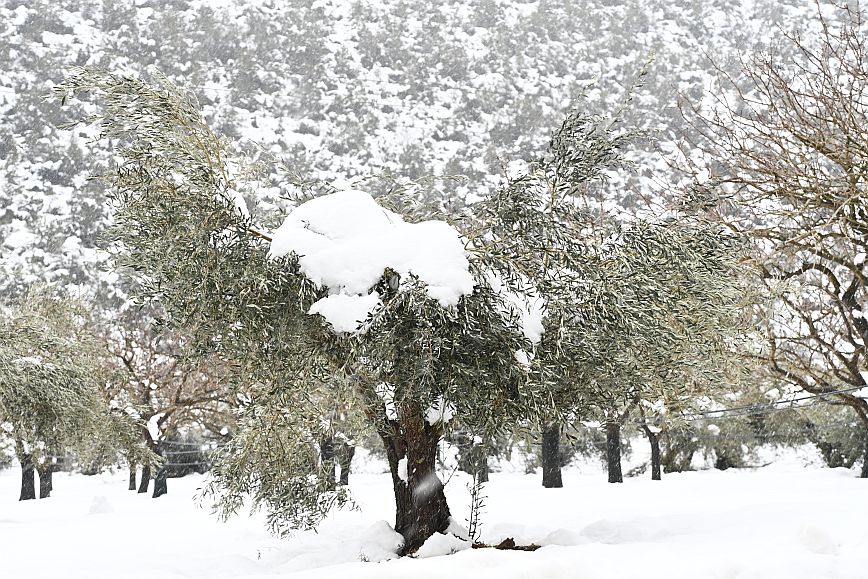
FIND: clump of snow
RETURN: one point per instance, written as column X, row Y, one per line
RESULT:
column 386, row 392
column 529, row 307
column 457, row 529
column 440, row 544
column 522, row 357
column 345, row 241
column 239, row 203
column 440, row 411
column 346, row 313
column 402, row 469
column 380, row 542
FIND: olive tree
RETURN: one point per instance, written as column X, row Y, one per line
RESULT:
column 411, row 351
column 631, row 310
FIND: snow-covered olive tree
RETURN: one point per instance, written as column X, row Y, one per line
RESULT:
column 640, row 310
column 397, row 309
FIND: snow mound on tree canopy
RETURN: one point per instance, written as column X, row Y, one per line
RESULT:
column 344, row 312
column 345, row 241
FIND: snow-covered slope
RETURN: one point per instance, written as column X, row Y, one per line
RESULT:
column 343, row 90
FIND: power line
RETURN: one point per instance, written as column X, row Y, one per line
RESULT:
column 760, row 408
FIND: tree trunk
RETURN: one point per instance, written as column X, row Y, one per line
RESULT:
column 28, row 477
column 722, row 462
column 146, row 470
column 420, row 503
column 654, row 439
column 132, row 486
column 345, row 459
column 146, row 479
column 551, row 456
column 864, row 473
column 613, row 452
column 327, row 457
column 45, row 480
column 160, row 482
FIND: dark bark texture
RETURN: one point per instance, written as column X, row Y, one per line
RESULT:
column 654, row 440
column 864, row 473
column 46, row 483
column 146, row 479
column 420, row 502
column 132, row 486
column 161, row 486
column 28, row 477
column 551, row 456
column 345, row 460
column 613, row 452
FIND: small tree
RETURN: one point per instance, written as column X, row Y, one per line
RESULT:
column 166, row 388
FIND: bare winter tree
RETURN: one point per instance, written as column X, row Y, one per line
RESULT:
column 792, row 140
column 167, row 390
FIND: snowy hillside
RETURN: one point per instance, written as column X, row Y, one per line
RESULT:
column 343, row 91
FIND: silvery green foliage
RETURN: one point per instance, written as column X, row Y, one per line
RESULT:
column 180, row 231
column 51, row 383
column 639, row 307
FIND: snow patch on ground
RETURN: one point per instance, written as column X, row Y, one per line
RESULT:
column 781, row 521
column 440, row 544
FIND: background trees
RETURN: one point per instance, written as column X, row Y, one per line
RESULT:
column 790, row 139
column 51, row 383
column 168, row 390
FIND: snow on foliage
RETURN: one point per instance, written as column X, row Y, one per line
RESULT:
column 440, row 411
column 346, row 241
column 530, row 309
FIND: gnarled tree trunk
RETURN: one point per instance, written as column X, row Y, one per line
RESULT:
column 132, row 486
column 420, row 503
column 551, row 456
column 613, row 452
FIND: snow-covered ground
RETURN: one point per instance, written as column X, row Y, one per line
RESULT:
column 781, row 521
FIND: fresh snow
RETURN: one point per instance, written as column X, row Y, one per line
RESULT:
column 346, row 313
column 784, row 521
column 440, row 411
column 441, row 544
column 345, row 241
